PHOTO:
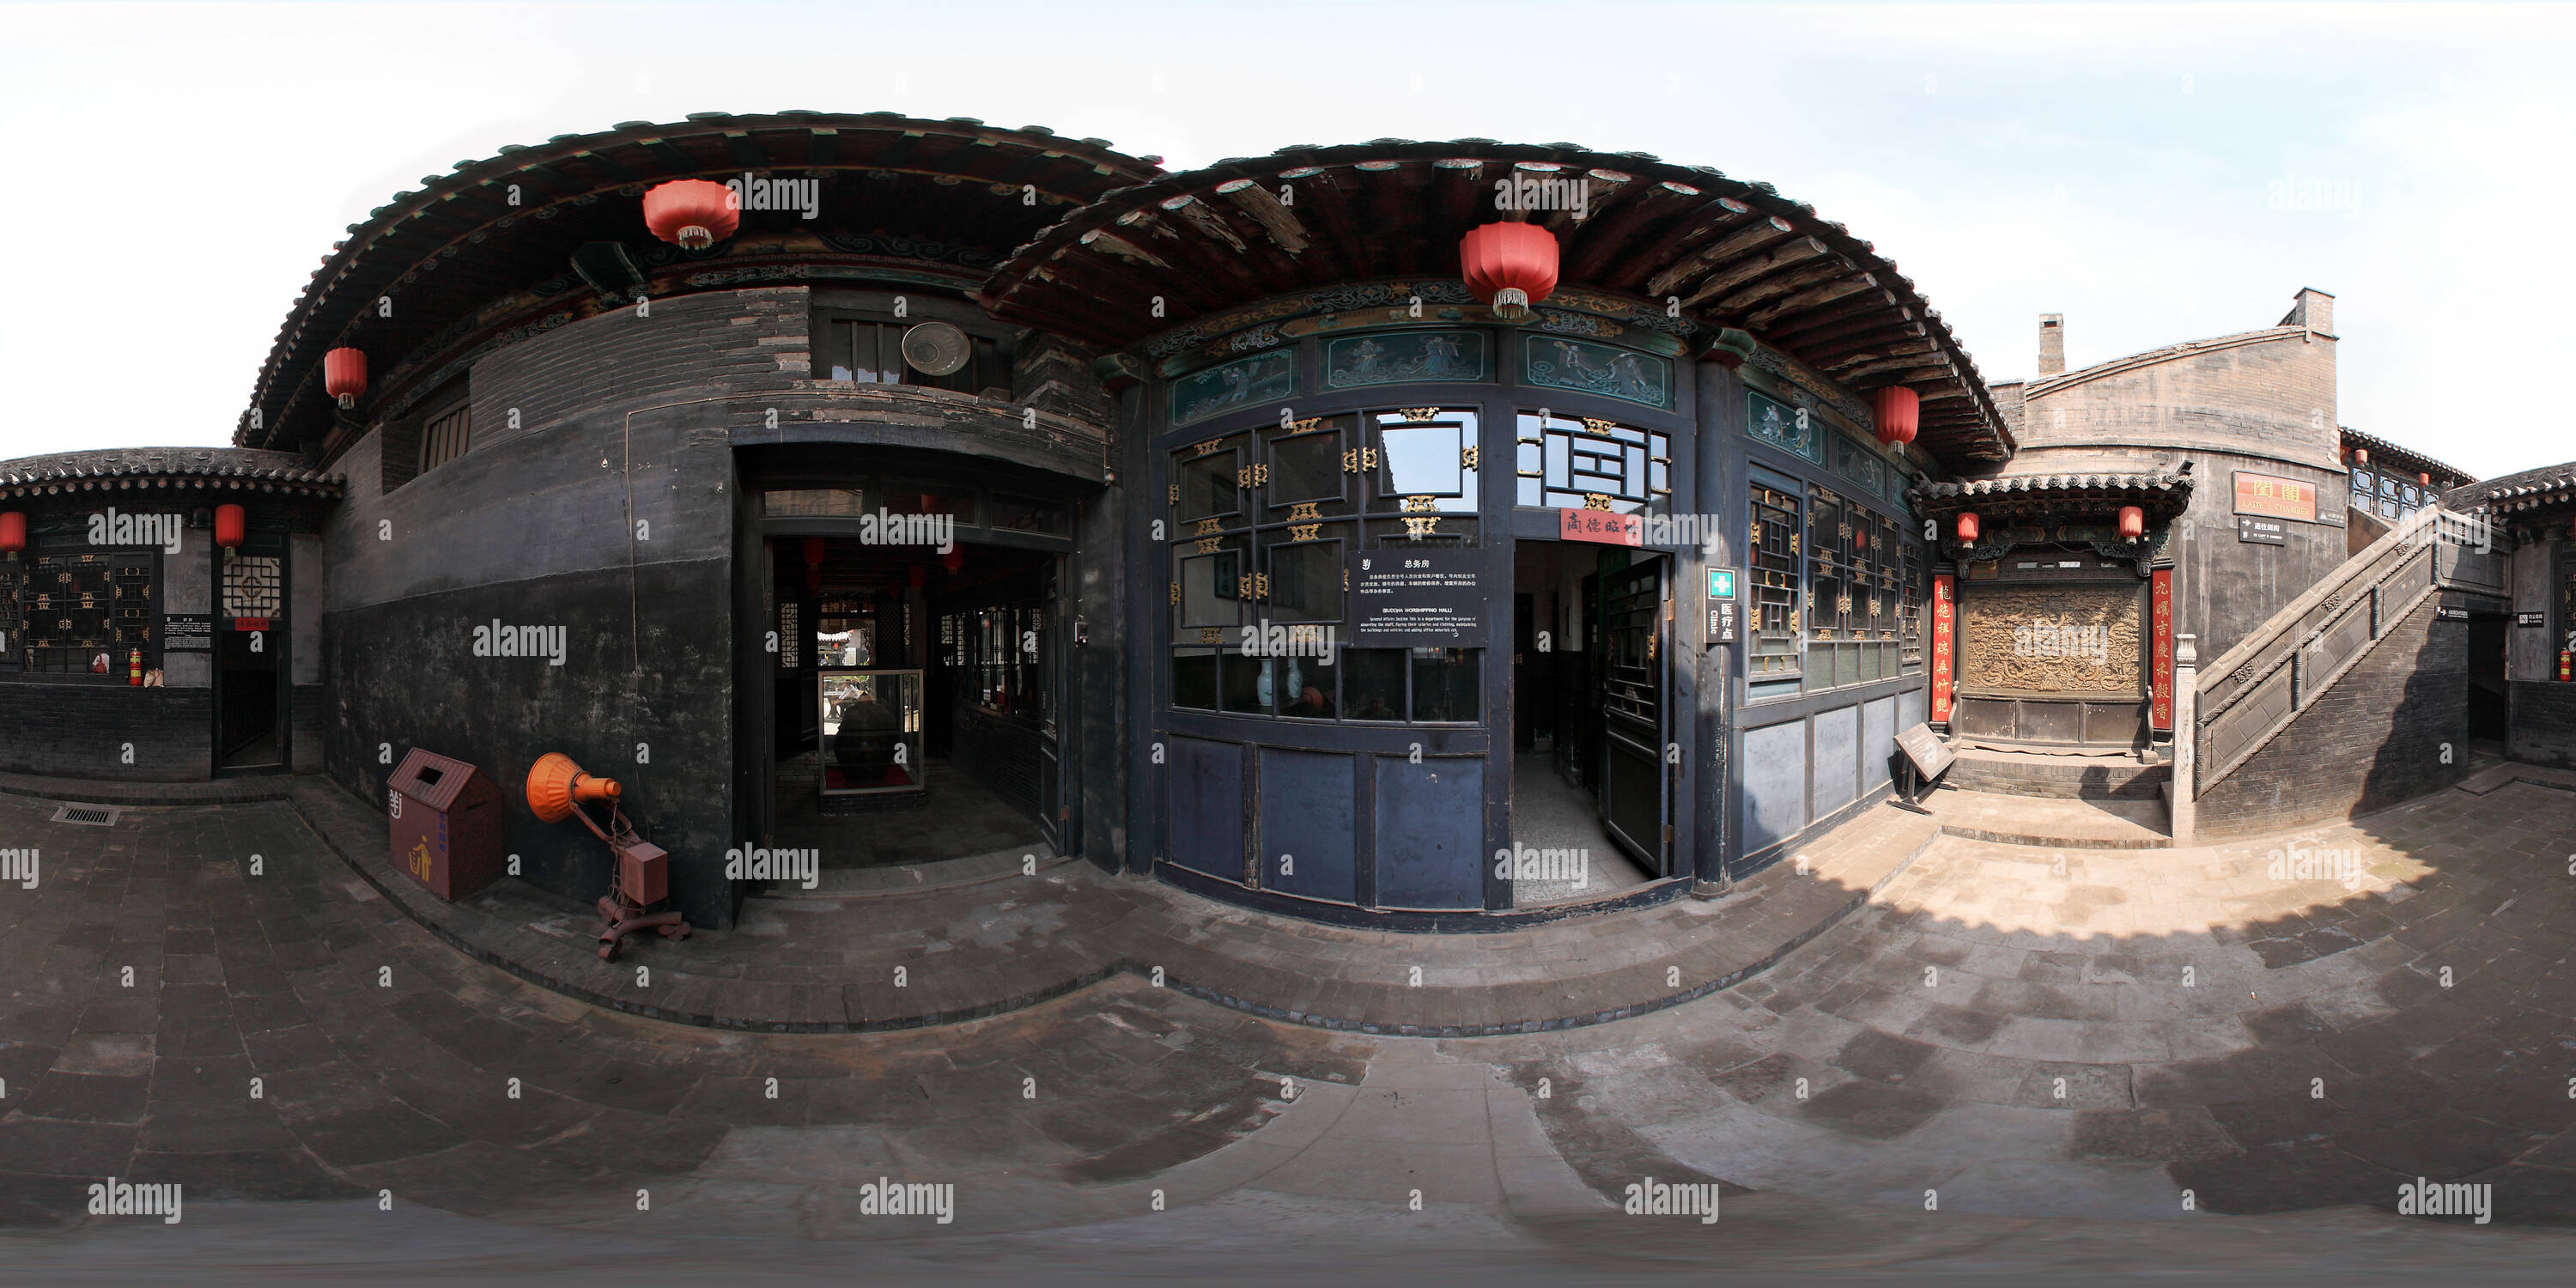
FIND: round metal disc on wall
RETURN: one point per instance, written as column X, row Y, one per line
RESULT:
column 936, row 348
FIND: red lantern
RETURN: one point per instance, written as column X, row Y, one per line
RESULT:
column 2361, row 456
column 918, row 576
column 344, row 375
column 1967, row 527
column 229, row 522
column 692, row 213
column 2424, row 478
column 815, row 548
column 1510, row 266
column 1898, row 410
column 2133, row 523
column 13, row 532
column 954, row 559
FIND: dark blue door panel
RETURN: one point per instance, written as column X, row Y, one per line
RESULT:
column 1775, row 783
column 1207, row 807
column 1307, row 816
column 1430, row 833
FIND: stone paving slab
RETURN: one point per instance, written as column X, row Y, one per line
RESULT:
column 1008, row 942
column 2087, row 824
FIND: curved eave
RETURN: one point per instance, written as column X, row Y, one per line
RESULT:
column 2161, row 496
column 436, row 252
column 2546, row 488
column 166, row 469
column 1737, row 255
column 2383, row 451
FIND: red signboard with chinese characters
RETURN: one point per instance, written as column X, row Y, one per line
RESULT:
column 1602, row 526
column 2278, row 497
column 1944, row 599
column 2162, row 675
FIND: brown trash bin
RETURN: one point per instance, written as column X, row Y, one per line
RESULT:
column 445, row 818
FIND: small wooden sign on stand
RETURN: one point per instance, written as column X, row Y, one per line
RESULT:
column 1926, row 759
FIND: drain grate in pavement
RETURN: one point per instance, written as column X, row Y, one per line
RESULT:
column 94, row 815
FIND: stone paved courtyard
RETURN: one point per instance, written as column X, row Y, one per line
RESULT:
column 2016, row 1036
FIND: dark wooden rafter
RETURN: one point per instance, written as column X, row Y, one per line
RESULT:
column 1460, row 187
column 1750, row 236
column 1781, row 285
column 1169, row 236
column 1788, row 254
column 747, row 151
column 1612, row 227
column 1341, row 249
column 1278, row 222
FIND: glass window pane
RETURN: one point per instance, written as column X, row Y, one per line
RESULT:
column 1306, row 582
column 1194, row 678
column 1307, row 467
column 1373, row 683
column 1211, row 588
column 1247, row 683
column 1421, row 460
column 1305, row 688
column 1444, row 684
column 1207, row 486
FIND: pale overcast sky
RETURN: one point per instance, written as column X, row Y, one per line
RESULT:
column 2153, row 173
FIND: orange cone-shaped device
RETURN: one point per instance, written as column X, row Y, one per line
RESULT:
column 556, row 785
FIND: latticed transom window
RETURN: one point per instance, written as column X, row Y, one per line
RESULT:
column 1568, row 463
column 253, row 586
column 791, row 651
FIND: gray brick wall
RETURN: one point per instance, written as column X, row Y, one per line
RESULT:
column 82, row 730
column 2543, row 728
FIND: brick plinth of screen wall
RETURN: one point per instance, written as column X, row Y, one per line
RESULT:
column 2543, row 728
column 87, row 730
column 2394, row 727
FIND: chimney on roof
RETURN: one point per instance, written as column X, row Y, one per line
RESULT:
column 2314, row 310
column 2052, row 345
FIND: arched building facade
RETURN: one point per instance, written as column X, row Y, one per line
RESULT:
column 986, row 488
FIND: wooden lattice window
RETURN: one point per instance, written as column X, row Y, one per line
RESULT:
column 791, row 652
column 1773, row 633
column 254, row 586
column 444, row 438
column 1909, row 612
column 1564, row 462
column 79, row 606
column 9, row 627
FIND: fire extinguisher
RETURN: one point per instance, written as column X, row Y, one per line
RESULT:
column 134, row 669
column 2566, row 666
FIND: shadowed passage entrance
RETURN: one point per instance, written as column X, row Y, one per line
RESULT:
column 914, row 701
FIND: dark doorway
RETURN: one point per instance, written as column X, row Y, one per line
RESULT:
column 1562, row 735
column 250, row 650
column 914, row 701
column 2487, row 709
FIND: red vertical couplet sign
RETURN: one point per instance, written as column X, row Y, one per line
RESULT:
column 2161, row 680
column 1943, row 592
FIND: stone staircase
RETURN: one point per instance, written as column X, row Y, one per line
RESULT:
column 2237, row 706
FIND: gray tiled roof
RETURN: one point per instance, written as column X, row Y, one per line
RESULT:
column 126, row 467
